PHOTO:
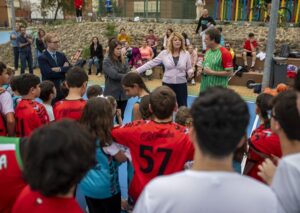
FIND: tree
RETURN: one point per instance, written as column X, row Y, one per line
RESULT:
column 58, row 5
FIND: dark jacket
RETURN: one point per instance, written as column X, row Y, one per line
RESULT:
column 114, row 73
column 96, row 53
column 46, row 63
column 40, row 45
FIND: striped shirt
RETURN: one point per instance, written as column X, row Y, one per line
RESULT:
column 217, row 60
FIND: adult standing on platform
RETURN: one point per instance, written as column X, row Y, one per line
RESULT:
column 115, row 68
column 53, row 64
column 78, row 4
column 205, row 22
column 177, row 63
column 217, row 65
column 24, row 40
column 13, row 39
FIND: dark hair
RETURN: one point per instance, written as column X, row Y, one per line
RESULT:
column 287, row 114
column 26, row 82
column 15, row 83
column 133, row 78
column 163, row 102
column 297, row 81
column 39, row 32
column 183, row 115
column 251, row 35
column 2, row 67
column 94, row 91
column 169, row 29
column 220, row 119
column 76, row 77
column 113, row 43
column 112, row 101
column 150, row 30
column 144, row 107
column 214, row 34
column 64, row 89
column 185, row 36
column 92, row 43
column 46, row 90
column 98, row 118
column 58, row 156
column 122, row 29
column 265, row 103
column 220, row 29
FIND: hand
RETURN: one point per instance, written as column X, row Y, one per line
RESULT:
column 55, row 69
column 66, row 64
column 2, row 90
column 199, row 70
column 267, row 171
column 207, row 71
column 118, row 113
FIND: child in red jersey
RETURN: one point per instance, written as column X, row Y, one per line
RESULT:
column 11, row 180
column 29, row 113
column 57, row 157
column 157, row 147
column 72, row 106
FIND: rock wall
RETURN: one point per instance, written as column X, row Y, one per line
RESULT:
column 75, row 36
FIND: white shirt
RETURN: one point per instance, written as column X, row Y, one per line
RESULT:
column 286, row 184
column 207, row 192
column 49, row 109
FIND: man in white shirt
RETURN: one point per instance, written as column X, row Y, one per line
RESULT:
column 285, row 180
column 220, row 119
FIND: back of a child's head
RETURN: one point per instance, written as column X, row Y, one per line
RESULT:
column 220, row 120
column 76, row 77
column 14, row 83
column 144, row 107
column 47, row 88
column 163, row 102
column 27, row 82
column 112, row 101
column 94, row 91
column 183, row 116
column 50, row 163
column 131, row 79
column 2, row 67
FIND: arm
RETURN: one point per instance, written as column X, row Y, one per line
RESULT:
column 199, row 25
column 189, row 68
column 47, row 71
column 10, row 123
column 13, row 37
column 101, row 52
column 64, row 68
column 212, row 21
column 136, row 112
column 151, row 53
column 111, row 72
column 123, row 134
column 165, row 42
column 150, row 64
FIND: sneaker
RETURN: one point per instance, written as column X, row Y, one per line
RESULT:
column 99, row 74
column 193, row 82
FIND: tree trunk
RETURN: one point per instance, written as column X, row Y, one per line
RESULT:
column 57, row 9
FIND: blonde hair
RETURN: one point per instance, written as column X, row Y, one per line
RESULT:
column 49, row 36
column 170, row 42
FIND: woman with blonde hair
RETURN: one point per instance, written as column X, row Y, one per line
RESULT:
column 177, row 63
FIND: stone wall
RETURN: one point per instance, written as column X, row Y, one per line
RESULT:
column 75, row 36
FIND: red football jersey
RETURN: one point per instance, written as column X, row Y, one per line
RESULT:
column 264, row 141
column 69, row 109
column 156, row 149
column 3, row 131
column 30, row 115
column 35, row 202
column 11, row 181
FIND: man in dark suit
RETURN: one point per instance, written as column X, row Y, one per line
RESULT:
column 53, row 64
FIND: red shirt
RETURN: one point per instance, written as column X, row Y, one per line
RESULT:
column 30, row 115
column 151, row 39
column 35, row 202
column 11, row 181
column 3, row 131
column 69, row 109
column 247, row 45
column 266, row 142
column 78, row 3
column 156, row 149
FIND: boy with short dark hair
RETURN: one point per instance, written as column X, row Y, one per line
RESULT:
column 7, row 119
column 250, row 47
column 52, row 171
column 157, row 147
column 94, row 91
column 29, row 113
column 220, row 120
column 48, row 93
column 72, row 106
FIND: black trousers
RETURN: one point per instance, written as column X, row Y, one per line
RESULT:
column 180, row 91
column 108, row 205
column 78, row 12
column 122, row 106
column 16, row 57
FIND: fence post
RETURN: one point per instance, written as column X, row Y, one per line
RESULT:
column 270, row 43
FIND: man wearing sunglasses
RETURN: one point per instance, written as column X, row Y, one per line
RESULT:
column 53, row 64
